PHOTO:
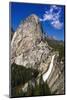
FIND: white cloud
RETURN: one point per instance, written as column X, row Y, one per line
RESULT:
column 57, row 24
column 48, row 17
column 53, row 15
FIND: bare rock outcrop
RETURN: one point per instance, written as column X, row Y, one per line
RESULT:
column 29, row 50
column 27, row 47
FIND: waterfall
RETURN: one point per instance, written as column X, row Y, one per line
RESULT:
column 46, row 75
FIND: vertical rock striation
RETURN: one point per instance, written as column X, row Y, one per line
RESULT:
column 27, row 47
column 29, row 50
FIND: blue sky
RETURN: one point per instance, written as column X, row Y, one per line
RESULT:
column 51, row 17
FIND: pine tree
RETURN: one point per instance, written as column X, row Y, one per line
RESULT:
column 41, row 86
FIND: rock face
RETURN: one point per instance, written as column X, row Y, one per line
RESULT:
column 27, row 47
column 56, row 78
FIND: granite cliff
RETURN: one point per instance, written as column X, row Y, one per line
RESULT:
column 29, row 49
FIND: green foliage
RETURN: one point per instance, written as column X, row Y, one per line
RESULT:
column 46, row 89
column 57, row 46
column 30, row 90
column 41, row 89
column 19, row 76
column 36, row 90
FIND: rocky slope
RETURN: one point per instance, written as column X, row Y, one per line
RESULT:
column 29, row 50
column 27, row 47
column 56, row 78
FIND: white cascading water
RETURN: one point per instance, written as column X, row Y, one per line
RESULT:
column 46, row 75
